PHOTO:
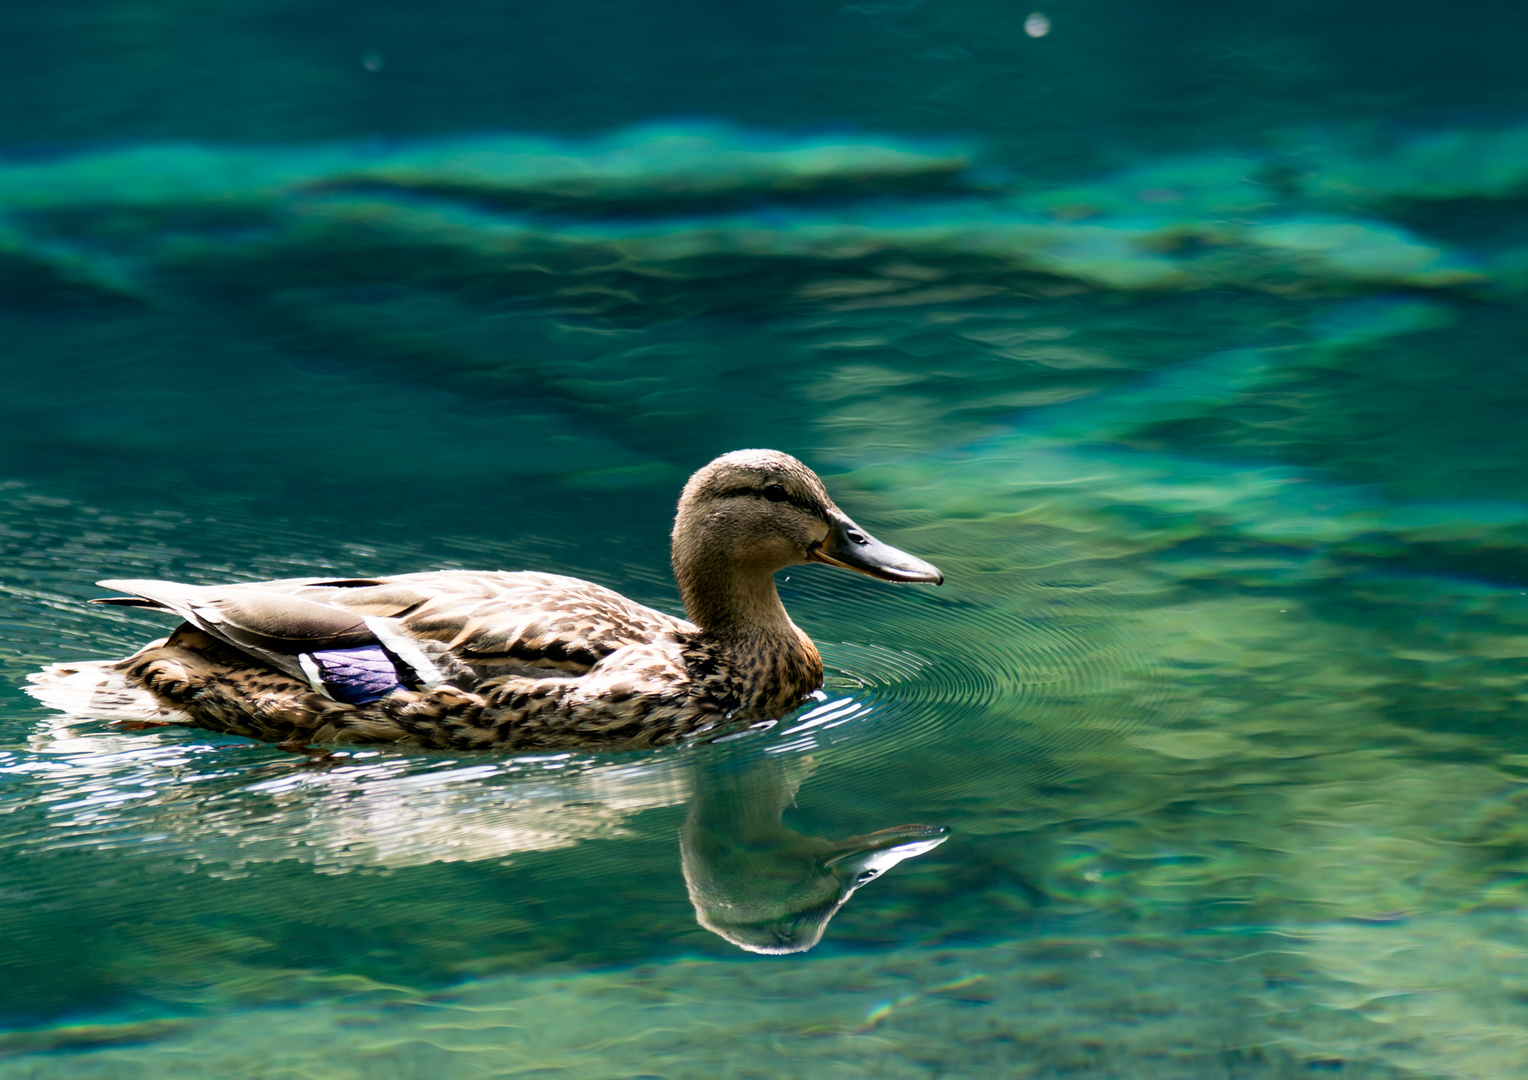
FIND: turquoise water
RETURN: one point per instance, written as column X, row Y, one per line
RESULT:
column 1187, row 342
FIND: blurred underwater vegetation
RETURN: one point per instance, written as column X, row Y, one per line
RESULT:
column 1221, row 452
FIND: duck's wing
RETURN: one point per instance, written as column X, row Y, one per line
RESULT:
column 436, row 623
column 266, row 620
column 523, row 623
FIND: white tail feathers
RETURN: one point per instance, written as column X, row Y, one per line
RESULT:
column 93, row 689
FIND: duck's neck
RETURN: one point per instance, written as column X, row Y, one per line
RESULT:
column 731, row 601
column 738, row 609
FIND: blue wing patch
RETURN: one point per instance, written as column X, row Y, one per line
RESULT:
column 357, row 676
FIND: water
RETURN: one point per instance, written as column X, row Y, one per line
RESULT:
column 1186, row 341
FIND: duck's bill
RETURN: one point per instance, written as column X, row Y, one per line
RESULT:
column 851, row 547
column 874, row 853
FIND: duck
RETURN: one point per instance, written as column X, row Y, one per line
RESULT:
column 468, row 660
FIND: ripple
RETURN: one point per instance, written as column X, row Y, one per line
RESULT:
column 1025, row 663
column 1019, row 667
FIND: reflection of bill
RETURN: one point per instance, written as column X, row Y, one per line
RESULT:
column 761, row 885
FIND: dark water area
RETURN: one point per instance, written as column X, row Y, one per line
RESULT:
column 1110, row 80
column 1186, row 339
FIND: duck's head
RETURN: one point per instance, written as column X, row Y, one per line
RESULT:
column 752, row 512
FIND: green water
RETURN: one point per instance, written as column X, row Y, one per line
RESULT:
column 1188, row 343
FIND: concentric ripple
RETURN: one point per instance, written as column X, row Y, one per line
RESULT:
column 1055, row 653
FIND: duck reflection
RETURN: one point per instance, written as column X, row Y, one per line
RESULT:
column 762, row 885
column 752, row 879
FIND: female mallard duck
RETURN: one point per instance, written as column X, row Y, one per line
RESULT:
column 470, row 660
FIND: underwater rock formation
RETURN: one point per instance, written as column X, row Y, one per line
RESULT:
column 630, row 210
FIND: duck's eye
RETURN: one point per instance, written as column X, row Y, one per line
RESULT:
column 775, row 492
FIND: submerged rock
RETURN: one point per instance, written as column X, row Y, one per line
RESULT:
column 769, row 213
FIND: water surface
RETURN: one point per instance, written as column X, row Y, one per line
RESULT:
column 1187, row 343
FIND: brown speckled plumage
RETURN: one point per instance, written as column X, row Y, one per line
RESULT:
column 527, row 659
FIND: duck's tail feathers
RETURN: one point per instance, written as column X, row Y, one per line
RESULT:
column 94, row 689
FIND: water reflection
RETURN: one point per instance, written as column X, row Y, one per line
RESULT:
column 753, row 880
column 757, row 882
